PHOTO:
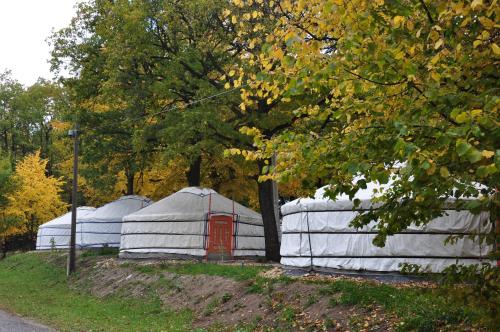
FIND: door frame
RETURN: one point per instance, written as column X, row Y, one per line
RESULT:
column 211, row 219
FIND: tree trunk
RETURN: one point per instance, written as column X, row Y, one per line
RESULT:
column 269, row 218
column 6, row 140
column 130, row 183
column 3, row 247
column 193, row 174
column 32, row 232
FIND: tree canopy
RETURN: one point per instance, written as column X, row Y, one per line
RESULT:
column 403, row 90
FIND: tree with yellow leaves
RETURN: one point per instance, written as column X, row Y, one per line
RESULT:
column 36, row 198
column 411, row 85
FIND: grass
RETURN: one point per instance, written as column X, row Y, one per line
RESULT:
column 31, row 287
column 104, row 251
column 418, row 309
column 236, row 272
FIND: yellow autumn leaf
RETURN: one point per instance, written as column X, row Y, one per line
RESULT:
column 476, row 112
column 438, row 44
column 495, row 48
column 278, row 53
column 476, row 43
column 486, row 22
column 435, row 76
column 476, row 4
column 444, row 172
column 487, row 154
column 234, row 19
column 227, row 85
column 232, row 72
column 397, row 20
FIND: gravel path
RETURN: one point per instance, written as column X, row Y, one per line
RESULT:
column 12, row 323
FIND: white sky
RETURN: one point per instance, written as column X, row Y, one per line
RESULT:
column 24, row 28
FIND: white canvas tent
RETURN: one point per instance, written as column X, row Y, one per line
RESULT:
column 56, row 233
column 194, row 222
column 316, row 232
column 102, row 228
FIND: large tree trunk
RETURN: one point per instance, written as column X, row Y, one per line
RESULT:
column 269, row 219
column 3, row 247
column 32, row 232
column 130, row 183
column 193, row 174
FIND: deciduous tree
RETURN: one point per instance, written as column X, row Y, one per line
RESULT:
column 36, row 198
column 398, row 87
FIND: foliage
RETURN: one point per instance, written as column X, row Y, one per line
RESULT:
column 7, row 223
column 36, row 199
column 393, row 87
column 478, row 285
column 25, row 115
column 151, row 81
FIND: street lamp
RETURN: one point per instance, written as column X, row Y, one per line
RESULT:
column 73, row 133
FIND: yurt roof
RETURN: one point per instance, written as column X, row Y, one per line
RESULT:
column 114, row 211
column 366, row 196
column 65, row 219
column 193, row 203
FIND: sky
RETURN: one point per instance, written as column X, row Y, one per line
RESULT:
column 24, row 28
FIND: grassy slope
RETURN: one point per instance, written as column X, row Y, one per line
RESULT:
column 32, row 287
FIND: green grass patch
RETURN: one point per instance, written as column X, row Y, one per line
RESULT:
column 236, row 272
column 104, row 251
column 261, row 285
column 32, row 287
column 418, row 309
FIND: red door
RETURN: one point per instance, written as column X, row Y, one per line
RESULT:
column 220, row 235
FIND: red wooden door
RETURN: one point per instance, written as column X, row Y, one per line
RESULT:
column 220, row 235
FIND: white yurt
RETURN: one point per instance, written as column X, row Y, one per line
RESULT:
column 57, row 232
column 316, row 233
column 193, row 222
column 102, row 228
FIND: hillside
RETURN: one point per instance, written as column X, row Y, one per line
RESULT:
column 108, row 294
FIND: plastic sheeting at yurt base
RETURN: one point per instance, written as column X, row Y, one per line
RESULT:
column 316, row 232
column 177, row 226
column 102, row 228
column 56, row 233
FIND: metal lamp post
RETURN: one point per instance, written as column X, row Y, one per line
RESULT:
column 72, row 253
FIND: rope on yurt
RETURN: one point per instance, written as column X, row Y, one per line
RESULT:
column 233, row 228
column 235, row 236
column 208, row 222
column 311, row 266
column 300, row 235
column 205, row 228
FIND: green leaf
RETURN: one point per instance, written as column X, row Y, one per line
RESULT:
column 473, row 155
column 462, row 147
column 444, row 172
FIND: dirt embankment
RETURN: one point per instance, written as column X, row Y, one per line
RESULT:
column 221, row 303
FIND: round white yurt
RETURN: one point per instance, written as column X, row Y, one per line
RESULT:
column 102, row 228
column 56, row 233
column 316, row 233
column 193, row 222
